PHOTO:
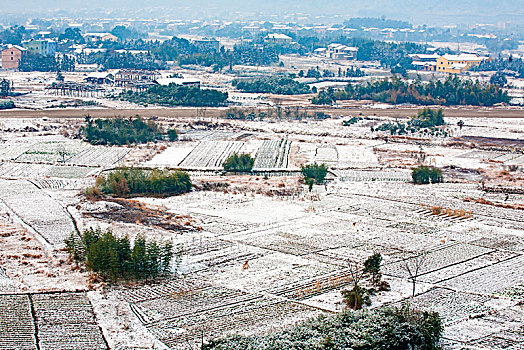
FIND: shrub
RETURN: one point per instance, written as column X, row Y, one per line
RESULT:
column 7, row 104
column 120, row 131
column 426, row 175
column 315, row 171
column 130, row 181
column 172, row 135
column 381, row 328
column 113, row 258
column 239, row 163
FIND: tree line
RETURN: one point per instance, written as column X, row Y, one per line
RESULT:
column 125, row 182
column 113, row 258
column 175, row 95
column 120, row 131
column 273, row 85
column 451, row 91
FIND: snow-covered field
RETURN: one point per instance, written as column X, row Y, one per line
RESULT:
column 256, row 262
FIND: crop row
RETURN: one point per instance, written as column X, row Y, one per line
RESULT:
column 23, row 170
column 254, row 316
column 355, row 175
column 211, row 154
column 17, row 330
column 273, row 154
column 183, row 302
column 99, row 156
column 37, row 209
column 66, row 321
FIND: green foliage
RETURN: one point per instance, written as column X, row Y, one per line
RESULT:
column 7, row 104
column 73, row 34
column 111, row 59
column 174, row 95
column 499, row 79
column 120, row 131
column 427, row 118
column 31, row 62
column 381, row 328
column 239, row 163
column 426, row 175
column 273, row 85
column 316, row 172
column 514, row 66
column 325, row 97
column 5, row 87
column 131, row 181
column 172, row 135
column 113, row 258
column 356, row 297
column 372, row 267
column 451, row 91
column 351, row 121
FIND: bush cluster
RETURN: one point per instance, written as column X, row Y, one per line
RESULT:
column 273, row 85
column 113, row 258
column 451, row 91
column 7, row 104
column 426, row 121
column 381, row 328
column 174, row 95
column 120, row 131
column 239, row 163
column 314, row 173
column 131, row 181
column 426, row 175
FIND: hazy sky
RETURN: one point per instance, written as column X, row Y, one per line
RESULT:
column 417, row 11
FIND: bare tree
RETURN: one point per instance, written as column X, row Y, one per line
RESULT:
column 353, row 298
column 414, row 266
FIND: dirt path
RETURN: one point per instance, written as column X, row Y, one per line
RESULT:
column 216, row 112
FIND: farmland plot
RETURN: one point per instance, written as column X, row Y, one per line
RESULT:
column 491, row 279
column 52, row 151
column 438, row 259
column 70, row 172
column 17, row 330
column 11, row 150
column 99, row 156
column 23, row 170
column 327, row 155
column 63, row 184
column 452, row 305
column 66, row 321
column 172, row 156
column 211, row 154
column 356, row 175
column 38, row 210
column 273, row 154
column 253, row 316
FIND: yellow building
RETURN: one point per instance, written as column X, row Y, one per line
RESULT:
column 458, row 63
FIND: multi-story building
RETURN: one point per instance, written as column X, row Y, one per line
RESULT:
column 278, row 39
column 341, row 52
column 100, row 37
column 458, row 63
column 425, row 61
column 44, row 47
column 11, row 56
